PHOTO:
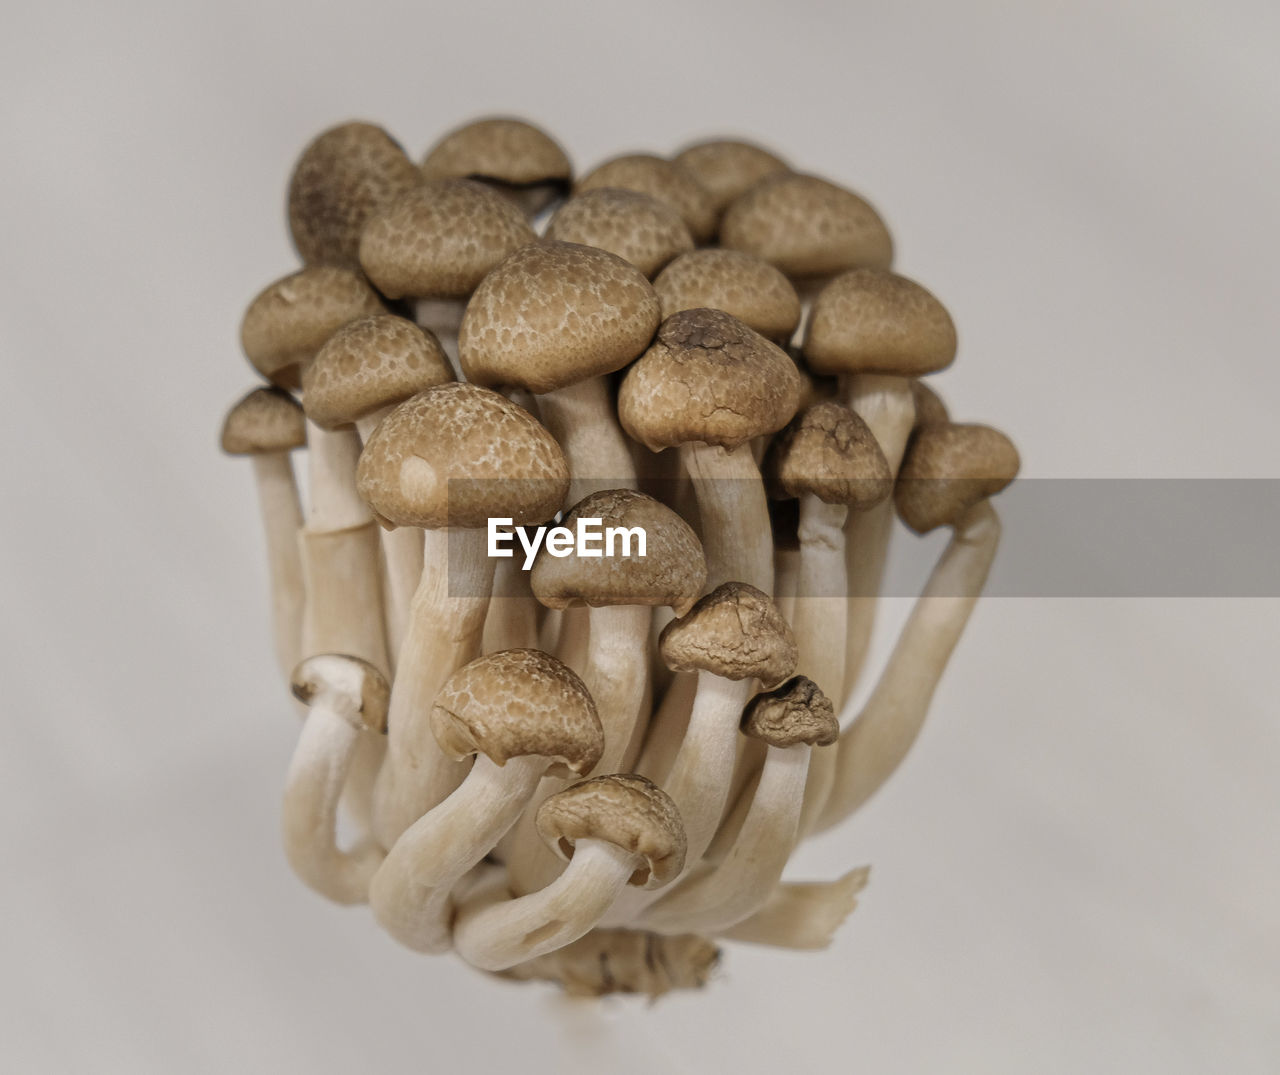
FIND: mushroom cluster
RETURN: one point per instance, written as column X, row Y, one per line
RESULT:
column 594, row 771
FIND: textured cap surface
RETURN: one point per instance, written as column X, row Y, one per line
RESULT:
column 662, row 179
column 742, row 285
column 265, row 420
column 501, row 149
column 829, row 452
column 637, row 227
column 949, row 468
column 351, row 687
column 790, row 715
column 727, row 168
column 736, row 632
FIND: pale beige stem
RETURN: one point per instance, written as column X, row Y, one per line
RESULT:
column 802, row 915
column 582, row 418
column 281, row 522
column 667, row 728
column 512, row 619
column 786, row 581
column 736, row 532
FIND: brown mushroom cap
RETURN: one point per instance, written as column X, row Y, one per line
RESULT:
column 735, row 632
column 438, row 240
column 499, row 149
column 728, row 168
column 357, row 691
column 370, row 364
column 930, row 408
column 457, row 454
column 265, row 420
column 516, row 703
column 554, row 314
column 796, row 712
column 625, row 810
column 949, row 468
column 806, row 227
column 707, row 378
column 672, row 572
column 341, row 179
column 829, row 452
column 873, row 321
column 741, row 285
column 637, row 227
column 662, row 179
column 289, row 320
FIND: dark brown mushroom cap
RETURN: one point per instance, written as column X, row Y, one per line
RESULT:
column 742, row 285
column 627, row 811
column 457, row 454
column 342, row 178
column 289, row 320
column 829, row 452
column 707, row 378
column 637, row 227
column 438, row 240
column 672, row 572
column 499, row 149
column 518, row 703
column 554, row 314
column 353, row 688
column 949, row 468
column 662, row 179
column 735, row 632
column 930, row 408
column 265, row 420
column 728, row 168
column 795, row 713
column 806, row 227
column 872, row 321
column 370, row 364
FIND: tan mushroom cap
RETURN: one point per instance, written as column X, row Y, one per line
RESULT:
column 873, row 321
column 554, row 314
column 672, row 572
column 438, row 240
column 728, row 168
column 341, row 179
column 289, row 320
column 457, row 454
column 829, row 452
column 930, row 408
column 735, row 632
column 356, row 690
column 627, row 811
column 637, row 227
column 806, row 227
column 662, row 179
column 370, row 364
column 265, row 420
column 518, row 703
column 707, row 378
column 499, row 149
column 742, row 285
column 949, row 468
column 793, row 714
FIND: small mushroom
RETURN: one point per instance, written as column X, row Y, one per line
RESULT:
column 636, row 227
column 950, row 468
column 727, row 168
column 662, row 179
column 742, row 285
column 802, row 915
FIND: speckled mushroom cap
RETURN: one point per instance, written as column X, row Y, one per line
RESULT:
column 499, row 149
column 790, row 715
column 662, row 179
column 728, row 168
column 457, row 454
column 873, row 321
column 352, row 688
column 708, row 378
column 672, row 571
column 370, row 364
column 516, row 703
column 930, row 408
column 265, row 420
column 949, row 468
column 625, row 810
column 741, row 285
column 735, row 632
column 438, row 240
column 829, row 452
column 554, row 314
column 289, row 320
column 637, row 227
column 342, row 178
column 806, row 227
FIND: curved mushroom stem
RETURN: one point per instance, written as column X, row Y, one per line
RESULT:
column 281, row 522
column 667, row 727
column 802, row 915
column 582, row 418
column 736, row 531
column 873, row 746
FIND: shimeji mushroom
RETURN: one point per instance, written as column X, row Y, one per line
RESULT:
column 790, row 721
column 727, row 168
column 615, row 831
column 637, row 227
column 742, row 285
column 802, row 915
column 522, row 714
column 607, row 961
column 267, row 425
column 947, row 478
column 348, row 702
column 447, row 460
column 662, row 179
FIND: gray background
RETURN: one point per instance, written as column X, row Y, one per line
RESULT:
column 1076, row 870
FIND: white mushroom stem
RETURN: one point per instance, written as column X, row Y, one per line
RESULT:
column 873, row 746
column 667, row 728
column 734, row 512
column 512, row 618
column 582, row 418
column 281, row 522
column 443, row 317
column 802, row 915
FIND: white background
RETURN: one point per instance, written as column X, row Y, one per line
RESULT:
column 1077, row 869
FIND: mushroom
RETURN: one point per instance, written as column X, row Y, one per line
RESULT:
column 742, row 285
column 662, row 179
column 607, row 961
column 347, row 700
column 802, row 915
column 615, row 831
column 266, row 425
column 728, row 168
column 522, row 714
column 637, row 227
